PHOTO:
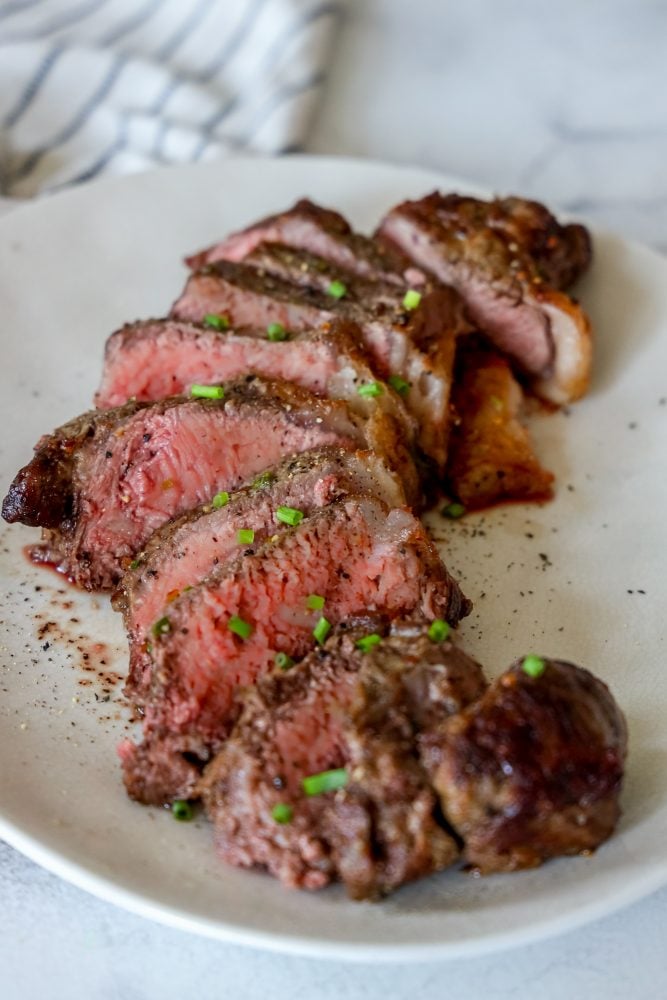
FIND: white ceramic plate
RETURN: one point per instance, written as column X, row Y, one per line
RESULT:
column 581, row 578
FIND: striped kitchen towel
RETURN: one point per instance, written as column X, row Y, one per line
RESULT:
column 112, row 86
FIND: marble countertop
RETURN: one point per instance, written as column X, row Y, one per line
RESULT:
column 564, row 101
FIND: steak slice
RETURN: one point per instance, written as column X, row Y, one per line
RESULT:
column 491, row 457
column 356, row 554
column 341, row 708
column 101, row 484
column 415, row 345
column 157, row 358
column 541, row 328
column 321, row 231
column 533, row 769
column 187, row 549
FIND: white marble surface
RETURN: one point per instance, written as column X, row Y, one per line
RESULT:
column 564, row 100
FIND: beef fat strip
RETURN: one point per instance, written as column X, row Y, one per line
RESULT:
column 411, row 347
column 100, row 485
column 187, row 549
column 157, row 358
column 355, row 556
column 544, row 330
column 533, row 769
column 345, row 718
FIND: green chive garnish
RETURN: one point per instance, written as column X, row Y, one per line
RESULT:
column 263, row 480
column 246, row 536
column 282, row 813
column 283, row 661
column 289, row 515
column 321, row 630
column 182, row 810
column 337, row 290
column 216, row 321
column 314, row 602
column 325, row 781
column 411, row 299
column 276, row 331
column 370, row 389
column 239, row 627
column 135, row 564
column 161, row 627
column 438, row 630
column 399, row 385
column 366, row 643
column 207, row 391
column 533, row 665
column 453, row 510
column 220, row 499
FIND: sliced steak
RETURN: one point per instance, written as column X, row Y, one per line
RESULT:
column 321, row 231
column 416, row 345
column 102, row 484
column 491, row 457
column 341, row 708
column 533, row 769
column 157, row 358
column 540, row 327
column 188, row 548
column 356, row 554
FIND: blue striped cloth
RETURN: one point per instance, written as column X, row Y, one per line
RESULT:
column 113, row 86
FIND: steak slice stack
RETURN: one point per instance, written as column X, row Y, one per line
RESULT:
column 190, row 547
column 354, row 557
column 503, row 271
column 101, row 484
column 341, row 707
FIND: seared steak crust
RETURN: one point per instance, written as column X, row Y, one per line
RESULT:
column 533, row 769
column 341, row 707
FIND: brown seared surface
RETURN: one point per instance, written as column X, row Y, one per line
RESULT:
column 103, row 483
column 357, row 554
column 341, row 708
column 533, row 769
column 491, row 457
column 190, row 547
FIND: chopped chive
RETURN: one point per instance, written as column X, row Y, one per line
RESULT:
column 239, row 627
column 218, row 322
column 438, row 630
column 283, row 661
column 263, row 480
column 533, row 665
column 453, row 510
column 325, row 781
column 282, row 813
column 220, row 499
column 370, row 389
column 321, row 630
column 411, row 299
column 337, row 290
column 161, row 627
column 135, row 564
column 182, row 810
column 246, row 536
column 207, row 391
column 289, row 515
column 399, row 385
column 366, row 643
column 276, row 332
column 314, row 602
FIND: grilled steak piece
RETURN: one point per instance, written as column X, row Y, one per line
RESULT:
column 533, row 769
column 537, row 325
column 341, row 708
column 101, row 484
column 187, row 549
column 357, row 554
column 415, row 345
column 321, row 231
column 491, row 457
column 157, row 358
